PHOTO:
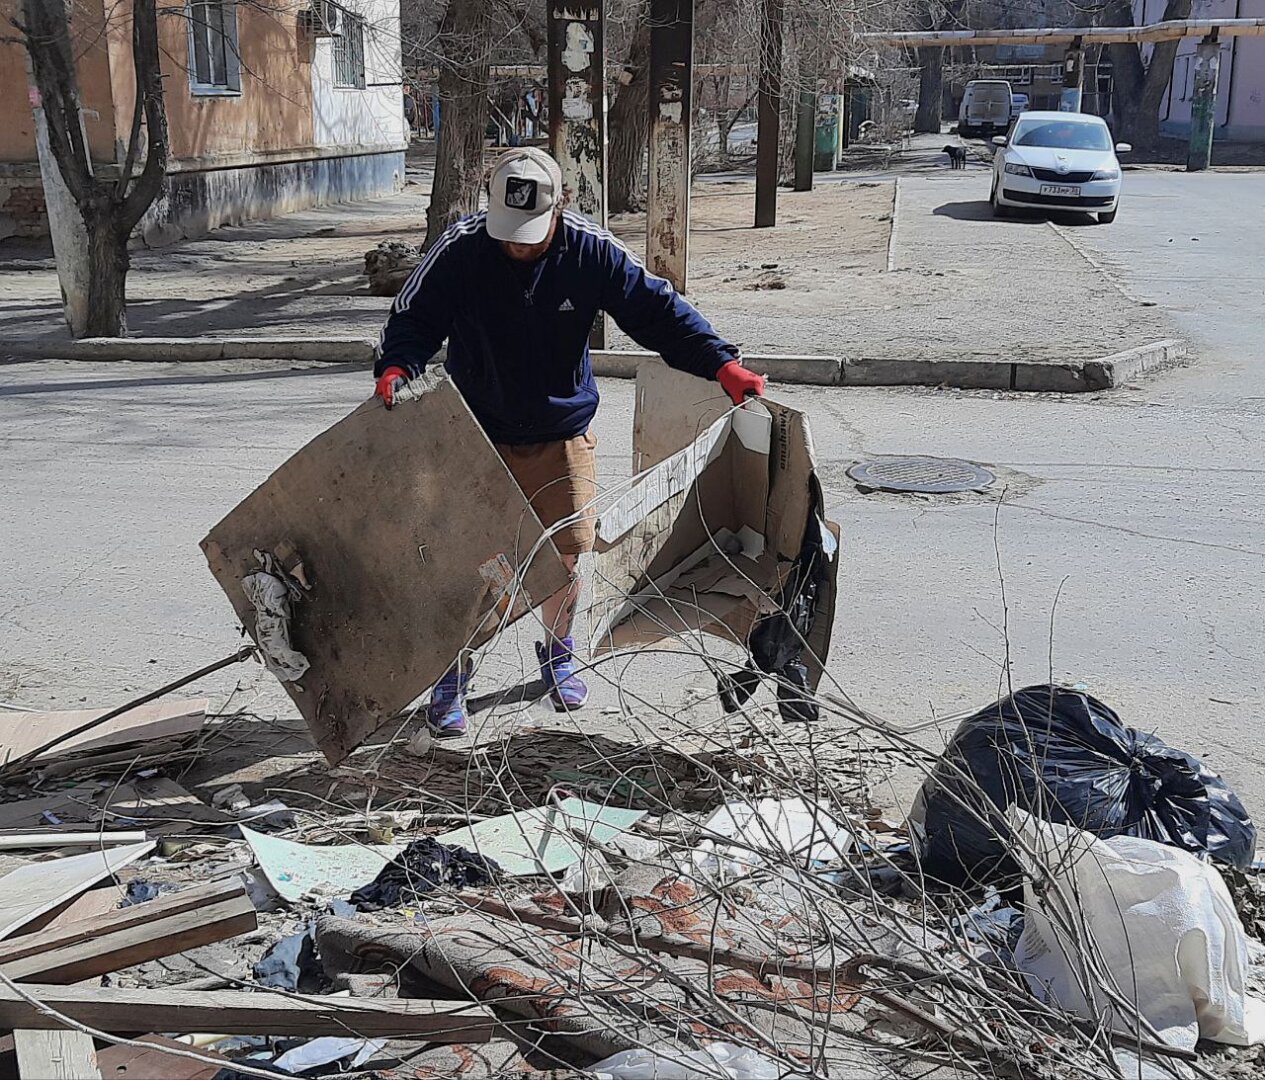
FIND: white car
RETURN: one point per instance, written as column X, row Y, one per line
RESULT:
column 1057, row 161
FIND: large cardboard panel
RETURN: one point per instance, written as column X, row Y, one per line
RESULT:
column 669, row 562
column 409, row 526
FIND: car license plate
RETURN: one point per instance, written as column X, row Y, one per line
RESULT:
column 1060, row 189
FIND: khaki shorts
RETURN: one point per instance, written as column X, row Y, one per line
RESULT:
column 559, row 480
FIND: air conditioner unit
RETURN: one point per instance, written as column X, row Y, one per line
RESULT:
column 324, row 19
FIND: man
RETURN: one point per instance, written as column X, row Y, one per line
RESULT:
column 515, row 290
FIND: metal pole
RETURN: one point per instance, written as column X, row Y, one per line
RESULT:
column 576, row 53
column 768, row 138
column 1073, row 78
column 668, row 195
column 1203, row 109
column 805, row 132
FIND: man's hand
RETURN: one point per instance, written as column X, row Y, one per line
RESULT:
column 387, row 382
column 739, row 383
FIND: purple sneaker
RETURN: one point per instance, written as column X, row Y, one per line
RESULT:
column 557, row 668
column 447, row 714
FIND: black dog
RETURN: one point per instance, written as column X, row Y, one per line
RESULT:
column 957, row 156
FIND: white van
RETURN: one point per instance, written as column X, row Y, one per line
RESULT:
column 985, row 109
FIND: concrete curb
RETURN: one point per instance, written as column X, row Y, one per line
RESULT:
column 1119, row 368
column 330, row 350
column 1079, row 376
column 891, row 233
column 1075, row 377
column 805, row 370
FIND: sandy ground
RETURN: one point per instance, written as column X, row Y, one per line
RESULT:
column 962, row 286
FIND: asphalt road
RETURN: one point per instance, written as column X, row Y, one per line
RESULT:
column 1128, row 528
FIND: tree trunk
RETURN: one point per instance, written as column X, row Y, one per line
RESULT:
column 465, row 37
column 108, row 263
column 930, row 90
column 628, row 127
column 1138, row 88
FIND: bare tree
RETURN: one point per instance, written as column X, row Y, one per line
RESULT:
column 628, row 123
column 465, row 41
column 1140, row 82
column 110, row 206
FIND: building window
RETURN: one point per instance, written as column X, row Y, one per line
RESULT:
column 214, row 66
column 349, row 53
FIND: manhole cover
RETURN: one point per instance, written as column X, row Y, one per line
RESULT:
column 927, row 475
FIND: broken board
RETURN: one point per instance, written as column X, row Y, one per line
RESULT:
column 20, row 733
column 37, row 887
column 404, row 520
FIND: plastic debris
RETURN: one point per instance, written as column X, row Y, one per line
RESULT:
column 1066, row 757
column 779, row 827
column 709, row 1063
column 1162, row 925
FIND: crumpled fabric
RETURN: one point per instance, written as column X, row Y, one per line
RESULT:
column 290, row 961
column 271, row 599
column 421, row 868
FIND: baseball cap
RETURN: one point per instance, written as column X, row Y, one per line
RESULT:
column 523, row 191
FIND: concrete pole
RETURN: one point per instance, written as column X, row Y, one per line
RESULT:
column 668, row 195
column 576, row 53
column 1073, row 78
column 805, row 135
column 65, row 223
column 1203, row 109
column 768, row 135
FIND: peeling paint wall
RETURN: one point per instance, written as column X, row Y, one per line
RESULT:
column 671, row 79
column 577, row 89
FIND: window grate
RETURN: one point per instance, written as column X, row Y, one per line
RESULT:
column 349, row 53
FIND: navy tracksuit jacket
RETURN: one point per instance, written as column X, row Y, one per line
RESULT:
column 518, row 334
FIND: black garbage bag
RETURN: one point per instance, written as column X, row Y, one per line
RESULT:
column 1064, row 756
column 778, row 640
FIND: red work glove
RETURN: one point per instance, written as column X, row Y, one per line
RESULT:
column 739, row 383
column 385, row 387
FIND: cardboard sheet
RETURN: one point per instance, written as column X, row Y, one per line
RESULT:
column 407, row 523
column 703, row 542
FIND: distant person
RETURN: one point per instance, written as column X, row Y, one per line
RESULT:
column 410, row 111
column 515, row 290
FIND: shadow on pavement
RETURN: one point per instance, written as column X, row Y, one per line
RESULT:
column 982, row 210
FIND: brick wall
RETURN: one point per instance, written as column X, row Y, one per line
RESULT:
column 22, row 211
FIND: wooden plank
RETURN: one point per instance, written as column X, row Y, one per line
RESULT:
column 393, row 548
column 20, row 733
column 74, row 805
column 233, row 1012
column 16, row 841
column 58, row 1054
column 131, row 935
column 31, row 890
column 95, row 902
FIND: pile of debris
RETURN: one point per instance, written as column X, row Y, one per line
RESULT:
column 590, row 922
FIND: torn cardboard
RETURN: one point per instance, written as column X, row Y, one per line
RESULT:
column 705, row 538
column 417, row 544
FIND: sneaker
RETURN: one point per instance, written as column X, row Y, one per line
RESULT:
column 557, row 668
column 447, row 714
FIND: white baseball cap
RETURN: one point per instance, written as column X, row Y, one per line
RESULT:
column 523, row 192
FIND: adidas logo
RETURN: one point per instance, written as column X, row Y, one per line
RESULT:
column 566, row 305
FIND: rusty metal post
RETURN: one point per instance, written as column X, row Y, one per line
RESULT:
column 576, row 47
column 668, row 197
column 768, row 138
